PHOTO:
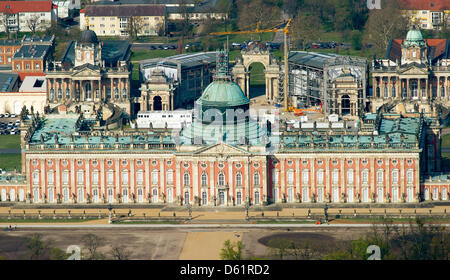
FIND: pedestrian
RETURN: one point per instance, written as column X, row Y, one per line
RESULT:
column 9, row 227
column 15, row 227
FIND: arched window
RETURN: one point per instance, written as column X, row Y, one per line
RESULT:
column 335, row 176
column 125, row 177
column 204, row 179
column 409, row 176
column 365, row 176
column 59, row 93
column 80, row 177
column 124, row 93
column 125, row 195
column 393, row 91
column 386, row 93
column 52, row 94
column 170, row 177
column 95, row 177
column 67, row 93
column 155, row 177
column 50, row 177
column 186, row 179
column 221, row 179
column 290, row 177
column 238, row 179
column 320, row 176
column 380, row 176
column 256, row 179
column 140, row 177
column 350, row 176
column 275, row 176
column 305, row 176
column 116, row 93
column 395, row 176
column 110, row 177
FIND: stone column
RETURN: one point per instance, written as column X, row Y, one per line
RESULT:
column 283, row 177
column 117, row 175
column 92, row 90
column 162, row 183
column 195, row 177
column 212, row 188
column 58, row 176
column 87, row 187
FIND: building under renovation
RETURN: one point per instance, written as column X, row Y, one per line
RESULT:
column 336, row 83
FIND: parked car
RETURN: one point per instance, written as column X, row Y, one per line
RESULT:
column 152, row 47
column 1, row 115
column 12, row 116
column 6, row 115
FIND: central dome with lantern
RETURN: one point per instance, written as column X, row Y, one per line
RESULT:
column 221, row 114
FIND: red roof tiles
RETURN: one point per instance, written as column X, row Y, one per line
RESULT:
column 429, row 5
column 14, row 7
column 439, row 45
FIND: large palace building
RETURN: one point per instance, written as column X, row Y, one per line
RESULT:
column 228, row 161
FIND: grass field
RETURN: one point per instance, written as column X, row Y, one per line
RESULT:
column 10, row 162
column 9, row 142
column 138, row 55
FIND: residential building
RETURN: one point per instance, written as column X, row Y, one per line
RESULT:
column 67, row 8
column 26, row 16
column 8, row 47
column 116, row 20
column 427, row 14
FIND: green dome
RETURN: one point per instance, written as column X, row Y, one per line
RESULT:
column 223, row 94
column 414, row 37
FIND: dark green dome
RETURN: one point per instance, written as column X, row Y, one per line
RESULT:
column 222, row 94
column 414, row 38
column 88, row 36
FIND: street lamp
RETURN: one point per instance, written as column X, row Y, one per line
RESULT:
column 109, row 209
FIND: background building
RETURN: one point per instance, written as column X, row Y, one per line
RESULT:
column 120, row 20
column 190, row 74
column 414, row 76
column 427, row 14
column 26, row 16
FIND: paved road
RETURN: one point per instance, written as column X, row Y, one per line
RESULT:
column 10, row 151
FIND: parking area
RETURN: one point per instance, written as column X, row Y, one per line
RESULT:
column 9, row 124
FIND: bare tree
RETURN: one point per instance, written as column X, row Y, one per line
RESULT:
column 92, row 242
column 33, row 22
column 385, row 24
column 120, row 252
column 135, row 26
column 307, row 27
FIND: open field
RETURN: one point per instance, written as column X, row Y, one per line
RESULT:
column 10, row 162
column 9, row 141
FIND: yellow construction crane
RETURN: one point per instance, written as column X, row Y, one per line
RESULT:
column 285, row 28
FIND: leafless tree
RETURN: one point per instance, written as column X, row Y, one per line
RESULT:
column 33, row 22
column 135, row 26
column 92, row 242
column 385, row 24
column 119, row 252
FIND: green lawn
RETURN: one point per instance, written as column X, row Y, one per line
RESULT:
column 446, row 141
column 147, row 54
column 10, row 162
column 10, row 141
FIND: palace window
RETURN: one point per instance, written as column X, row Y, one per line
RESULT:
column 67, row 93
column 380, row 176
column 65, row 177
column 335, row 176
column 124, row 93
column 204, row 198
column 140, row 177
column 239, row 179
column 290, row 177
column 110, row 177
column 221, row 179
column 50, row 177
column 116, row 93
column 365, row 176
column 305, row 176
column 204, row 179
column 52, row 94
column 124, row 177
column 155, row 177
column 256, row 179
column 170, row 177
column 59, row 93
column 80, row 177
column 186, row 179
column 350, row 176
column 395, row 176
column 393, row 91
column 95, row 177
column 320, row 176
column 257, row 197
column 410, row 176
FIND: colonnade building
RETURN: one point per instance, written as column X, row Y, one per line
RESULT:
column 415, row 70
